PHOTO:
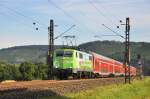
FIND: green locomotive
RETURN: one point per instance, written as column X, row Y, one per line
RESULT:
column 71, row 62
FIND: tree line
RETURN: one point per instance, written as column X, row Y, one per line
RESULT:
column 25, row 71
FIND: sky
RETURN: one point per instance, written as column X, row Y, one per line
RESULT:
column 17, row 18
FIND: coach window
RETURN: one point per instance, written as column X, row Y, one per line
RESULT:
column 90, row 57
column 80, row 55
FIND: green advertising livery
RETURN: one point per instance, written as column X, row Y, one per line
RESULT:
column 72, row 62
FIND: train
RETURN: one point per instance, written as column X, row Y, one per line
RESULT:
column 80, row 64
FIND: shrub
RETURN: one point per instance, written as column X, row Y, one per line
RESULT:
column 27, row 71
column 40, row 71
column 111, row 75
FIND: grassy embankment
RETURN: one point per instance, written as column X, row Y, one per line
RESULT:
column 136, row 90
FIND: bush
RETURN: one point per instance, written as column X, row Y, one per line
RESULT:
column 41, row 71
column 8, row 72
column 111, row 75
column 27, row 71
column 121, row 75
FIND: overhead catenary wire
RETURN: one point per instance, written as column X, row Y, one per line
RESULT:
column 113, row 31
column 117, row 17
column 64, row 32
column 100, row 12
column 68, row 15
column 38, row 22
column 90, row 19
column 25, row 16
column 17, row 21
column 34, row 21
column 62, row 10
column 96, row 22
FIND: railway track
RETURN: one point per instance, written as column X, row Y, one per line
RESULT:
column 54, row 84
column 45, row 88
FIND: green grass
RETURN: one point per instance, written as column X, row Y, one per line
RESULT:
column 139, row 89
column 136, row 90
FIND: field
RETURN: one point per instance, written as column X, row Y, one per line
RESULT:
column 104, row 88
column 136, row 90
column 51, row 88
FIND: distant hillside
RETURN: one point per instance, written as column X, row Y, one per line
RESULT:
column 113, row 49
column 32, row 53
column 37, row 53
column 23, row 53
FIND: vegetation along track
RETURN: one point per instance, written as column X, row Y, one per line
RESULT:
column 45, row 88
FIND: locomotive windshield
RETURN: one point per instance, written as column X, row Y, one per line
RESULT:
column 59, row 53
column 64, row 54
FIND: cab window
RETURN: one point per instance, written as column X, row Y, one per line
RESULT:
column 68, row 54
column 59, row 54
column 64, row 54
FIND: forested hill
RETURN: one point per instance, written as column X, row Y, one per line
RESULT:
column 37, row 53
column 115, row 49
column 31, row 53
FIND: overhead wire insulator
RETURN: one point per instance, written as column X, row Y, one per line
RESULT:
column 34, row 23
column 37, row 28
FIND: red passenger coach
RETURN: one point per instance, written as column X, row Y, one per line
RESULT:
column 119, row 70
column 133, row 71
column 104, row 66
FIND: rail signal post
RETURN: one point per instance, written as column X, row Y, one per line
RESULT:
column 127, row 48
column 50, row 50
column 140, row 67
column 127, row 51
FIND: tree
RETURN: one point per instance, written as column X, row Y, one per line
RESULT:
column 27, row 71
column 41, row 71
column 5, row 72
column 2, row 71
column 14, row 72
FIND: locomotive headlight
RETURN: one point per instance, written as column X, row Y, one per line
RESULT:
column 56, row 66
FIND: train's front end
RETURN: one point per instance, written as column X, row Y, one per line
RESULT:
column 63, row 62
